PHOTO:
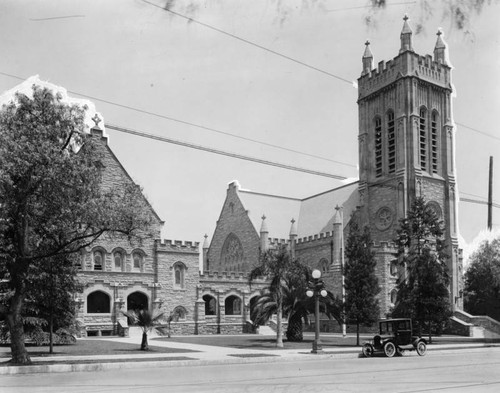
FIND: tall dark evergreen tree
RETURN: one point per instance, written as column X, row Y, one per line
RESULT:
column 361, row 283
column 482, row 281
column 423, row 286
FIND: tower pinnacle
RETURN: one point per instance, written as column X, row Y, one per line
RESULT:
column 367, row 59
column 406, row 34
column 440, row 48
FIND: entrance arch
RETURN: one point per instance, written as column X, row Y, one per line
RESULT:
column 137, row 301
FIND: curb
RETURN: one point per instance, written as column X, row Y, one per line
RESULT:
column 117, row 365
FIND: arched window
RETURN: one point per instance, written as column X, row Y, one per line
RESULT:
column 378, row 147
column 394, row 296
column 423, row 138
column 391, row 143
column 98, row 260
column 394, row 267
column 232, row 305
column 179, row 313
column 434, row 142
column 324, row 265
column 232, row 253
column 179, row 272
column 210, row 305
column 118, row 260
column 98, row 302
column 137, row 261
column 137, row 301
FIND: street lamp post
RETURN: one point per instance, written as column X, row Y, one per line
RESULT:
column 316, row 289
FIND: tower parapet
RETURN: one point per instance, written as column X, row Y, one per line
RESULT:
column 177, row 246
column 407, row 64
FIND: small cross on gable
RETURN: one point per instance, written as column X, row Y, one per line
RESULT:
column 96, row 119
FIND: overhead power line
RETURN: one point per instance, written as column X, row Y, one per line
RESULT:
column 170, row 118
column 223, row 153
column 479, row 131
column 249, row 158
column 249, row 42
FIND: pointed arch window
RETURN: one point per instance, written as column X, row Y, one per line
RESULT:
column 232, row 253
column 179, row 275
column 98, row 260
column 434, row 142
column 118, row 260
column 98, row 302
column 137, row 261
column 394, row 296
column 391, row 143
column 378, row 147
column 423, row 139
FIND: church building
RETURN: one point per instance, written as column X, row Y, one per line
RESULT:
column 406, row 150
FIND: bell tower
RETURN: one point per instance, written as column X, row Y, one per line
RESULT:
column 406, row 146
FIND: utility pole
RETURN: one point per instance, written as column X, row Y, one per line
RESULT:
column 490, row 195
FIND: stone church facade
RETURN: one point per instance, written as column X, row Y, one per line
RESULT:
column 406, row 150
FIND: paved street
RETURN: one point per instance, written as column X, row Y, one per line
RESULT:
column 471, row 370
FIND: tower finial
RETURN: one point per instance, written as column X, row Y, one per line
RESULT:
column 440, row 48
column 367, row 59
column 406, row 36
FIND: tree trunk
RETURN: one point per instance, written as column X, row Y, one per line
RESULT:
column 294, row 331
column 430, row 332
column 357, row 333
column 279, row 326
column 51, row 334
column 144, row 343
column 16, row 329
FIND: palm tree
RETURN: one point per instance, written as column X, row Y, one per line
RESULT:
column 296, row 305
column 274, row 265
column 147, row 320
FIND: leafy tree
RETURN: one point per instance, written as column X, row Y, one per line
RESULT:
column 147, row 321
column 423, row 289
column 361, row 283
column 52, row 199
column 482, row 281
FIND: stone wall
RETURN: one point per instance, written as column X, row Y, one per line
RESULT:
column 233, row 220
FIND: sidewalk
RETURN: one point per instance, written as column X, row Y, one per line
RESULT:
column 189, row 354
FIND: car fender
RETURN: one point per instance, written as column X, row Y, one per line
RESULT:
column 419, row 339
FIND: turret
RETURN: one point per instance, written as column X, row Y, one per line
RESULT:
column 440, row 49
column 205, row 252
column 293, row 238
column 367, row 59
column 264, row 235
column 337, row 236
column 406, row 34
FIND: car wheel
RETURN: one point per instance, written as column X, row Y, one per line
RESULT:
column 389, row 349
column 368, row 350
column 421, row 348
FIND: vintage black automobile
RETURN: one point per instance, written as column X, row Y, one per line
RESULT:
column 395, row 336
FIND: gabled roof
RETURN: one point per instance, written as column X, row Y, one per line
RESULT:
column 313, row 215
column 279, row 211
column 317, row 212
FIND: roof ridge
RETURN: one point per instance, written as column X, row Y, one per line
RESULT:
column 330, row 190
column 269, row 195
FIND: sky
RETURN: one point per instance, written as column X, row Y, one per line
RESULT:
column 277, row 72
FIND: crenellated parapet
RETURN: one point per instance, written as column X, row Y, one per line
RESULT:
column 275, row 242
column 315, row 238
column 405, row 65
column 390, row 247
column 167, row 245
